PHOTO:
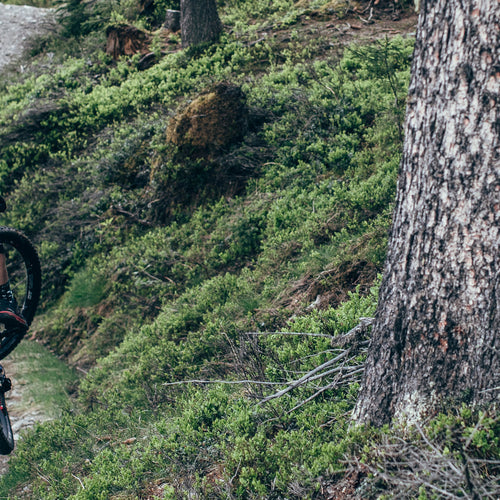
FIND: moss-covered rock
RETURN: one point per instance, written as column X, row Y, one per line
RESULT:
column 213, row 121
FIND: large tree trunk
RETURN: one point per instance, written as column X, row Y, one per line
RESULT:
column 200, row 22
column 435, row 336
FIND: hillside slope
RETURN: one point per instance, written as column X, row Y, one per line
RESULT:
column 192, row 283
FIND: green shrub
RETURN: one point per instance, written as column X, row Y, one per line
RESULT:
column 257, row 449
column 155, row 270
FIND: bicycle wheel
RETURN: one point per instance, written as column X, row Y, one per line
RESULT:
column 6, row 435
column 23, row 266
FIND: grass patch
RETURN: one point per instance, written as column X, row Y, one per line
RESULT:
column 44, row 379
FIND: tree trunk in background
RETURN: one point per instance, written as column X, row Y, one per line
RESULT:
column 435, row 336
column 199, row 22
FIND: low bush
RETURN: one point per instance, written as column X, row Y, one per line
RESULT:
column 207, row 439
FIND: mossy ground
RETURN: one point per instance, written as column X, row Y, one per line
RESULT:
column 156, row 266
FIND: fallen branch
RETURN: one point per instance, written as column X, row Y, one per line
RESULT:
column 196, row 381
column 307, row 334
column 307, row 377
column 353, row 336
column 345, row 369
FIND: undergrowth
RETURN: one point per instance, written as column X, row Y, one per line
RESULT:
column 167, row 277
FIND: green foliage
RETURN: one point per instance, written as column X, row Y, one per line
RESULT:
column 120, row 450
column 45, row 382
column 470, row 431
column 155, row 266
column 87, row 289
column 78, row 18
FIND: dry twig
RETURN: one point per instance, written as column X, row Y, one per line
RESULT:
column 406, row 466
column 356, row 341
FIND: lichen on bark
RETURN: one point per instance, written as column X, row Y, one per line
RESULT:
column 435, row 338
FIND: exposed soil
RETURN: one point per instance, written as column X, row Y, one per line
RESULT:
column 357, row 25
column 19, row 26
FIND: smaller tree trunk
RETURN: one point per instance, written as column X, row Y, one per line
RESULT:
column 172, row 20
column 200, row 22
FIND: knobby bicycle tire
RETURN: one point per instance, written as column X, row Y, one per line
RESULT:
column 26, row 280
column 6, row 434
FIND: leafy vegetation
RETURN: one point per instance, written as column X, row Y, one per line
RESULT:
column 166, row 273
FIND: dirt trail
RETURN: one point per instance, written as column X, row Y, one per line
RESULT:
column 22, row 414
column 19, row 24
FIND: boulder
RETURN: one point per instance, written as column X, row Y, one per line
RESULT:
column 212, row 122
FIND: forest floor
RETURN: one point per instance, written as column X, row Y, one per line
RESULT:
column 19, row 27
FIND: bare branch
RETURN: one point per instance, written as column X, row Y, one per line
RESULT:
column 342, row 363
column 317, row 393
column 305, row 378
column 354, row 337
column 259, row 382
column 292, row 333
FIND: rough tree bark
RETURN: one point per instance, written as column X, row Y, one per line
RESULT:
column 435, row 336
column 200, row 22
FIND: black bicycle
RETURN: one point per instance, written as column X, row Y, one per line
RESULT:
column 23, row 266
